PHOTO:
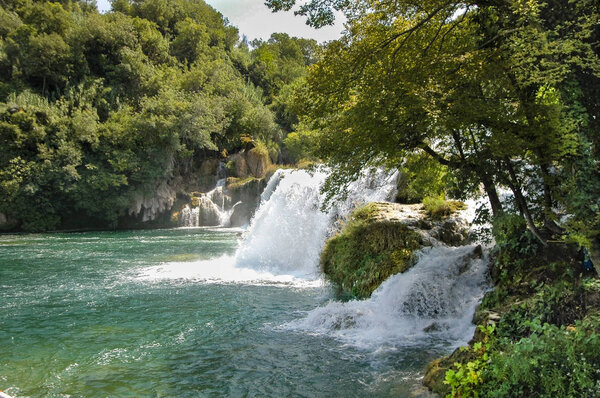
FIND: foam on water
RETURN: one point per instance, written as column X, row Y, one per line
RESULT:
column 289, row 230
column 438, row 294
column 219, row 270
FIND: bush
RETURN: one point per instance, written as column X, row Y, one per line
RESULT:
column 437, row 207
column 466, row 378
column 552, row 362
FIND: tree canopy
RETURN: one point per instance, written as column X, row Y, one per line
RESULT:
column 503, row 93
column 96, row 109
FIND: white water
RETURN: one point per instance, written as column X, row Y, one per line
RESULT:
column 211, row 209
column 286, row 235
column 441, row 292
column 283, row 244
column 289, row 229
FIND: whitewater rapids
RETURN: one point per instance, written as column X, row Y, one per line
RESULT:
column 435, row 300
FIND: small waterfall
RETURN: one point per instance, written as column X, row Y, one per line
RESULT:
column 210, row 209
column 289, row 230
column 434, row 300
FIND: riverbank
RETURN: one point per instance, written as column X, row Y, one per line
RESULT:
column 535, row 328
column 538, row 330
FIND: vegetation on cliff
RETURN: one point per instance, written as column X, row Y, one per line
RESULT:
column 98, row 110
column 367, row 251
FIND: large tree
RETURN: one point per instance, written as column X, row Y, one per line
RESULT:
column 495, row 90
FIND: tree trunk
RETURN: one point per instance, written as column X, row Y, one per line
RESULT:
column 490, row 190
column 515, row 187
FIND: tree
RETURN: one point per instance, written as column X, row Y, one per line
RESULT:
column 487, row 89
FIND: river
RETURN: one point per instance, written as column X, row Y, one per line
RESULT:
column 90, row 315
column 195, row 312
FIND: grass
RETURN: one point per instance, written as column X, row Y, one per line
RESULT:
column 438, row 208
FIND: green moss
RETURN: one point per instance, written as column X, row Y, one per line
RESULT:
column 234, row 183
column 367, row 252
column 438, row 208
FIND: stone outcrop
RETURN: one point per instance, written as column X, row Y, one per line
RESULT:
column 203, row 198
column 252, row 162
column 245, row 195
column 149, row 205
column 379, row 240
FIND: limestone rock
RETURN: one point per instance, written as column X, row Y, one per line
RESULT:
column 258, row 161
column 241, row 215
column 151, row 204
column 453, row 231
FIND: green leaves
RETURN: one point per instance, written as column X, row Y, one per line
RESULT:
column 96, row 108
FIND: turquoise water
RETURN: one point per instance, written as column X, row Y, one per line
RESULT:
column 82, row 316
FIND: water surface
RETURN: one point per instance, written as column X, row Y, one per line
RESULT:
column 89, row 315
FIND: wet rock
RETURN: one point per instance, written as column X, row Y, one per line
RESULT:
column 453, row 232
column 434, row 327
column 241, row 215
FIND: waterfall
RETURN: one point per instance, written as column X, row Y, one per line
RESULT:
column 210, row 209
column 434, row 300
column 289, row 229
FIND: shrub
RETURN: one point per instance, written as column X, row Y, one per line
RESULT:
column 552, row 362
column 465, row 379
column 516, row 248
column 437, row 207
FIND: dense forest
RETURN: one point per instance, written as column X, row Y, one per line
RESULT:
column 97, row 109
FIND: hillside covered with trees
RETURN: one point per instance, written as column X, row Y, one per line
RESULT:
column 98, row 109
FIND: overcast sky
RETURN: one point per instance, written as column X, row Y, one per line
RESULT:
column 255, row 20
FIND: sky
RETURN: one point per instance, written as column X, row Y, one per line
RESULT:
column 255, row 20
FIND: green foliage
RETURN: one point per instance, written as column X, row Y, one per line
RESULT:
column 367, row 251
column 300, row 144
column 421, row 176
column 466, row 379
column 499, row 93
column 551, row 362
column 515, row 247
column 437, row 207
column 98, row 109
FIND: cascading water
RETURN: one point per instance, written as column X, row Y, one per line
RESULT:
column 287, row 233
column 210, row 210
column 435, row 299
column 289, row 229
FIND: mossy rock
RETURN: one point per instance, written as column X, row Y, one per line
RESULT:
column 368, row 251
column 257, row 160
column 438, row 208
column 234, row 183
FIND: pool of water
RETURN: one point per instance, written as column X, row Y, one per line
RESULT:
column 93, row 315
